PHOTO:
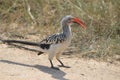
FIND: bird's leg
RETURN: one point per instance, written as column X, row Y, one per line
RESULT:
column 62, row 65
column 51, row 55
column 52, row 65
column 60, row 62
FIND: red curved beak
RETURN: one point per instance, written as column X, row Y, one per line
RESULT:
column 78, row 21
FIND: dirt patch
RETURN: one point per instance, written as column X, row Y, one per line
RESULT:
column 19, row 64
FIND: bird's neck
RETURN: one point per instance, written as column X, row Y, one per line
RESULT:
column 67, row 30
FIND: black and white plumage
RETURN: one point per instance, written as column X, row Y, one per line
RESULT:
column 55, row 44
column 54, row 39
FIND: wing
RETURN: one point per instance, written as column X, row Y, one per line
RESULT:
column 53, row 39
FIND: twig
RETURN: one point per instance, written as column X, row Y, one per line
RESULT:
column 29, row 11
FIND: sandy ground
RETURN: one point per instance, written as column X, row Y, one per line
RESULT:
column 19, row 64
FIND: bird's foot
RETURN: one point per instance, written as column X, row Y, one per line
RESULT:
column 56, row 68
column 64, row 66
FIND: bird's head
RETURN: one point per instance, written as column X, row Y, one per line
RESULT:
column 68, row 20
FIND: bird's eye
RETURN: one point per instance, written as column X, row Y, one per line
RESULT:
column 69, row 20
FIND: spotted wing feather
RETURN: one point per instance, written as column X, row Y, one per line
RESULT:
column 53, row 39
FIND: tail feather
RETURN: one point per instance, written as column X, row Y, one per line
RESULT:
column 21, row 42
column 26, row 43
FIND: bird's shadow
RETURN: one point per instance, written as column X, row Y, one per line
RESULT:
column 57, row 74
column 22, row 47
column 26, row 48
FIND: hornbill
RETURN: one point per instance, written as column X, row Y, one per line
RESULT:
column 55, row 44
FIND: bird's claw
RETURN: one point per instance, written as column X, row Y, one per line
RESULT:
column 56, row 68
column 64, row 66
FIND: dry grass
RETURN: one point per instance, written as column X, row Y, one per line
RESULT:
column 101, row 40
